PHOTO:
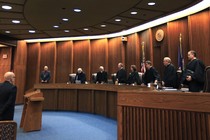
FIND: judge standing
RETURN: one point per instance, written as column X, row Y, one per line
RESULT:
column 169, row 76
column 134, row 77
column 121, row 76
column 151, row 75
column 101, row 76
column 194, row 72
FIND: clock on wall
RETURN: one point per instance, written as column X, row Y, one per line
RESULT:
column 159, row 35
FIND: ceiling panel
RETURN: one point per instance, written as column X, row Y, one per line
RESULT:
column 42, row 15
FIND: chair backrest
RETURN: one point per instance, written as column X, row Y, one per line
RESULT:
column 94, row 76
column 72, row 77
column 8, row 130
column 113, row 77
column 207, row 80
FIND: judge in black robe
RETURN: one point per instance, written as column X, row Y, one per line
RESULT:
column 194, row 73
column 121, row 76
column 169, row 76
column 151, row 75
column 134, row 77
column 101, row 76
column 80, row 76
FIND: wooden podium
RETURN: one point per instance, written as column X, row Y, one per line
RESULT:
column 31, row 119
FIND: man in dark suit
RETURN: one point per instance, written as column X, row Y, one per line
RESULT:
column 8, row 93
column 101, row 76
column 80, row 77
column 121, row 76
column 45, row 75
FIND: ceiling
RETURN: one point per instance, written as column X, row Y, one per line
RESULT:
column 42, row 15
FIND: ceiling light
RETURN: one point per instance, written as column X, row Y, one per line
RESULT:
column 56, row 26
column 151, row 3
column 77, row 10
column 117, row 19
column 103, row 25
column 6, row 7
column 66, row 31
column 65, row 19
column 133, row 13
column 186, row 12
column 16, row 21
column 31, row 31
column 86, row 29
column 8, row 32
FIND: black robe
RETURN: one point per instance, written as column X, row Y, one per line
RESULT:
column 150, row 76
column 170, row 76
column 195, row 69
column 101, row 77
column 134, row 78
column 121, row 76
column 80, row 77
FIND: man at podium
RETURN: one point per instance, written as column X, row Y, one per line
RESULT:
column 8, row 93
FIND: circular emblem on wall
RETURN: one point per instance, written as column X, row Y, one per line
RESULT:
column 159, row 35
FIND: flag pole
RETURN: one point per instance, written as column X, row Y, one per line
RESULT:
column 143, row 69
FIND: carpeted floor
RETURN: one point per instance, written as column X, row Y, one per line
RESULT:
column 57, row 125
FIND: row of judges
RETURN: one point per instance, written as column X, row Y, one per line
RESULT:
column 192, row 76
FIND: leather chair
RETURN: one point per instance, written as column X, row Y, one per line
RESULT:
column 72, row 77
column 8, row 130
column 207, row 80
column 113, row 77
column 94, row 76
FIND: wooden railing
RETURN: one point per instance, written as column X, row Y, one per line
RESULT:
column 163, row 116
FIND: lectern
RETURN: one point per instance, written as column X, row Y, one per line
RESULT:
column 31, row 119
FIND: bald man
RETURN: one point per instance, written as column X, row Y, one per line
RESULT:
column 45, row 75
column 8, row 93
column 101, row 76
column 80, row 77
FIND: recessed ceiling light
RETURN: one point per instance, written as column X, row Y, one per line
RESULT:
column 8, row 32
column 6, row 7
column 31, row 31
column 77, row 10
column 117, row 19
column 65, row 19
column 151, row 3
column 86, row 29
column 103, row 25
column 133, row 13
column 56, row 26
column 66, row 31
column 16, row 21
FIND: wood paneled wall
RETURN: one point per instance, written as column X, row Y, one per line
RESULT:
column 99, row 54
column 64, row 61
column 65, row 57
column 20, row 65
column 5, row 61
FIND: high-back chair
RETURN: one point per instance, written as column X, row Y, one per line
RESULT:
column 207, row 80
column 72, row 77
column 8, row 130
column 94, row 77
